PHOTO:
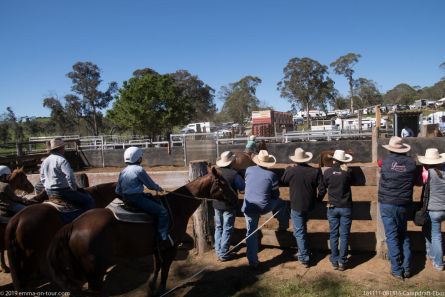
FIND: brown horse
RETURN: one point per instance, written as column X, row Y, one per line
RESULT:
column 242, row 161
column 84, row 249
column 30, row 231
column 17, row 180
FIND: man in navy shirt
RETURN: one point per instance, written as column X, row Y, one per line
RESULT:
column 261, row 196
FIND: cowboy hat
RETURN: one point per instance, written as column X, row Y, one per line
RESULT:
column 432, row 157
column 252, row 137
column 300, row 156
column 226, row 159
column 339, row 155
column 56, row 143
column 263, row 159
column 395, row 145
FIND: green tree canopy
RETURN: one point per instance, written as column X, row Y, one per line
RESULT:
column 401, row 94
column 86, row 80
column 306, row 84
column 198, row 93
column 240, row 99
column 149, row 105
column 344, row 66
column 60, row 119
column 367, row 92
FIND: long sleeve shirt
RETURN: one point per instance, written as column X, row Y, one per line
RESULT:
column 132, row 180
column 261, row 188
column 303, row 181
column 56, row 173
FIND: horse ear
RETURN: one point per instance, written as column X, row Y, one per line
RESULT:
column 215, row 171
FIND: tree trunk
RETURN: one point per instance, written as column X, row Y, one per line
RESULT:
column 203, row 216
column 352, row 95
column 307, row 116
column 95, row 121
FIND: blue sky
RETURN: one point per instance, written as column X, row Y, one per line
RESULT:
column 220, row 41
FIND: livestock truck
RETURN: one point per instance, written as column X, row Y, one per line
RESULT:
column 269, row 123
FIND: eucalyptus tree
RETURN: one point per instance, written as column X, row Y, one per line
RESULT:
column 306, row 84
column 344, row 66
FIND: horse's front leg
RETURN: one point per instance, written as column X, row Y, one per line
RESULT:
column 3, row 268
column 167, row 258
column 157, row 268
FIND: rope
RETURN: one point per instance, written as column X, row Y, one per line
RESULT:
column 202, row 270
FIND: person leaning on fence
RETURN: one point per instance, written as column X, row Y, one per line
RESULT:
column 251, row 145
column 58, row 178
column 261, row 196
column 225, row 213
column 398, row 176
column 337, row 182
column 130, row 187
column 303, row 181
column 10, row 203
column 435, row 180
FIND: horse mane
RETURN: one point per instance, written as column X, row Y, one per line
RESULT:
column 15, row 172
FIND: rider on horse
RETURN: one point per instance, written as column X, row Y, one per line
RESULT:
column 251, row 147
column 10, row 203
column 59, row 180
column 130, row 187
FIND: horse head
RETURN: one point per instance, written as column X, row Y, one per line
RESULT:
column 19, row 181
column 220, row 189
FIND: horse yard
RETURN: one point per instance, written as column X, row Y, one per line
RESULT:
column 278, row 274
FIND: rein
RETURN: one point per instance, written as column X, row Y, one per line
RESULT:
column 188, row 196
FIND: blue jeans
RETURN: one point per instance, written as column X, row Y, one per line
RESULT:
column 16, row 207
column 252, row 223
column 80, row 199
column 299, row 222
column 148, row 204
column 433, row 237
column 394, row 218
column 224, row 221
column 340, row 220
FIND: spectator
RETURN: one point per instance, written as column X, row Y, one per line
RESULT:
column 407, row 132
column 397, row 178
column 434, row 164
column 337, row 181
column 224, row 212
column 261, row 196
column 303, row 181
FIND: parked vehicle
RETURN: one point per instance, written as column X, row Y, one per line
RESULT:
column 269, row 122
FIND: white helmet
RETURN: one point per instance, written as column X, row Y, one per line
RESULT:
column 4, row 170
column 132, row 154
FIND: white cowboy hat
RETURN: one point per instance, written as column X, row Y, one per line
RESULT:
column 300, row 156
column 263, row 159
column 339, row 155
column 432, row 157
column 56, row 143
column 252, row 137
column 395, row 145
column 226, row 159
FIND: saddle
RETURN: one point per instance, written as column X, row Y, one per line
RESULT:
column 125, row 213
column 61, row 205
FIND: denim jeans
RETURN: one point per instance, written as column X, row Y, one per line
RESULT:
column 80, row 199
column 16, row 207
column 394, row 218
column 224, row 225
column 152, row 207
column 433, row 237
column 340, row 220
column 252, row 223
column 299, row 222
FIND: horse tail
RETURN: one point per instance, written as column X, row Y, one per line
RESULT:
column 64, row 268
column 16, row 255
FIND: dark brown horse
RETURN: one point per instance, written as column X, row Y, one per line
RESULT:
column 30, row 231
column 84, row 249
column 17, row 180
column 242, row 161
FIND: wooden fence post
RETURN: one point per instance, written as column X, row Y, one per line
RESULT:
column 202, row 217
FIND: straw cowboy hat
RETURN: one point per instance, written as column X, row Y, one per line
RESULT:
column 395, row 145
column 263, row 159
column 300, row 156
column 339, row 155
column 432, row 157
column 226, row 159
column 56, row 143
